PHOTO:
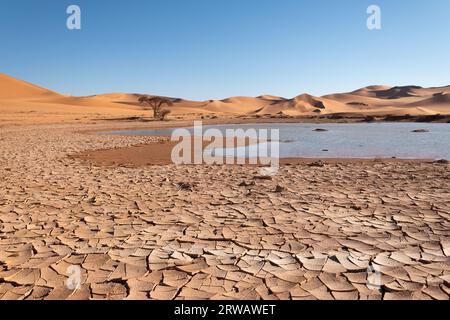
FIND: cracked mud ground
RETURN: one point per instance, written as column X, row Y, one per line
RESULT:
column 140, row 233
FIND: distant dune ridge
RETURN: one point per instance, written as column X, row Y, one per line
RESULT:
column 21, row 102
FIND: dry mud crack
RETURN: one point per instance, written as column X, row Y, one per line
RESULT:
column 135, row 233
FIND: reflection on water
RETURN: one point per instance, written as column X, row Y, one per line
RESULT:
column 365, row 140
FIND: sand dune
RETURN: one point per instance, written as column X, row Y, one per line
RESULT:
column 436, row 99
column 308, row 104
column 22, row 102
column 384, row 92
column 11, row 88
column 413, row 100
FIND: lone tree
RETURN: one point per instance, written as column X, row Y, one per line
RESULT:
column 156, row 104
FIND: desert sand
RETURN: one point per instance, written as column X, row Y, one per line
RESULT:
column 25, row 103
column 142, row 231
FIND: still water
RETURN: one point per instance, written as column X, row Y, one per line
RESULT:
column 362, row 140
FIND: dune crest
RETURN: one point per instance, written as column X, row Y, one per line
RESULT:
column 11, row 88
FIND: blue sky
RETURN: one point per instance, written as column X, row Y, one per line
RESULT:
column 201, row 49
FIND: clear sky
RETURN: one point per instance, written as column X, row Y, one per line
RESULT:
column 201, row 49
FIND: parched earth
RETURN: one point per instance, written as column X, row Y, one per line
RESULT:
column 361, row 230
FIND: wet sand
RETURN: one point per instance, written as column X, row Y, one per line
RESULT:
column 159, row 153
column 213, row 232
column 153, row 153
